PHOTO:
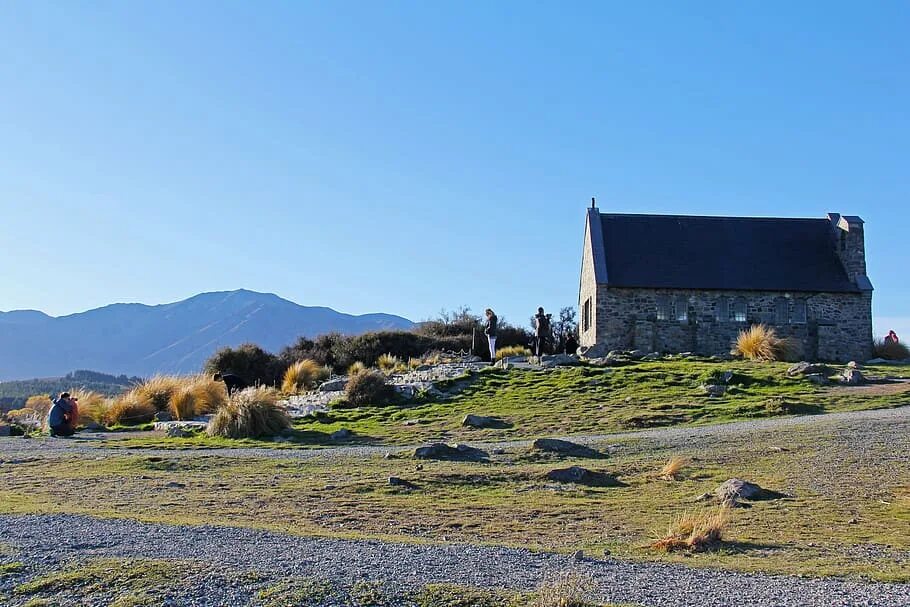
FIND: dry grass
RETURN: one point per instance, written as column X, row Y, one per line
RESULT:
column 356, row 368
column 510, row 351
column 672, row 469
column 565, row 589
column 303, row 375
column 695, row 531
column 251, row 413
column 368, row 388
column 26, row 418
column 209, row 395
column 39, row 403
column 388, row 363
column 182, row 405
column 762, row 343
column 890, row 351
column 158, row 391
column 128, row 410
column 93, row 407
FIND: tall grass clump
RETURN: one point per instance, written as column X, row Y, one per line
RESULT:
column 251, row 413
column 695, row 531
column 888, row 350
column 93, row 407
column 303, row 375
column 39, row 403
column 158, row 391
column 368, row 388
column 208, row 395
column 672, row 469
column 510, row 351
column 389, row 363
column 128, row 410
column 566, row 589
column 760, row 342
column 356, row 367
column 182, row 405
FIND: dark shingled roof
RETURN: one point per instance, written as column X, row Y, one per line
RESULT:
column 736, row 253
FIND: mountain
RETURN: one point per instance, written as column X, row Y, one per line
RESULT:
column 137, row 339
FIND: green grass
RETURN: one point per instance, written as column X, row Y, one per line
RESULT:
column 10, row 568
column 578, row 400
column 296, row 591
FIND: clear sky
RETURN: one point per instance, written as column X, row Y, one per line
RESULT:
column 408, row 157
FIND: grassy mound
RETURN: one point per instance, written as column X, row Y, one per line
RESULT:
column 252, row 413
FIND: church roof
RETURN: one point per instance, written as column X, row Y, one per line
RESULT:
column 724, row 253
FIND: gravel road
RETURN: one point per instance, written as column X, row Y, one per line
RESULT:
column 45, row 540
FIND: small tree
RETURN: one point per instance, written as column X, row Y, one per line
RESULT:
column 250, row 362
column 566, row 326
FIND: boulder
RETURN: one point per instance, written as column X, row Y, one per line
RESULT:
column 163, row 416
column 482, row 421
column 653, row 356
column 557, row 360
column 395, row 481
column 714, row 389
column 582, row 476
column 564, row 447
column 458, row 453
column 334, row 385
column 637, row 354
column 342, row 434
column 852, row 377
column 177, row 431
column 736, row 489
column 877, row 361
column 805, row 368
column 595, row 351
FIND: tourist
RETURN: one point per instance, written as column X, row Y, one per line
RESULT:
column 541, row 331
column 489, row 330
column 233, row 383
column 61, row 419
column 571, row 344
column 891, row 337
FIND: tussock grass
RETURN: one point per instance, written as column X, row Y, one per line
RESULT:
column 760, row 342
column 251, row 413
column 890, row 350
column 368, row 388
column 158, row 391
column 39, row 403
column 695, row 531
column 209, row 395
column 566, row 589
column 129, row 410
column 389, row 364
column 510, row 351
column 93, row 407
column 182, row 404
column 672, row 469
column 303, row 375
column 356, row 368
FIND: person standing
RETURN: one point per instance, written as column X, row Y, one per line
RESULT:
column 489, row 329
column 541, row 331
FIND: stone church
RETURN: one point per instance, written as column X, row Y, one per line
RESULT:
column 674, row 283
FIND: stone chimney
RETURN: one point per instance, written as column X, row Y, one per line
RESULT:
column 851, row 247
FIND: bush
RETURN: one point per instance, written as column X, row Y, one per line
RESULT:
column 250, row 362
column 157, row 391
column 128, row 410
column 510, row 351
column 368, row 388
column 208, row 395
column 251, row 413
column 695, row 531
column 303, row 375
column 40, row 404
column 93, row 407
column 389, row 363
column 759, row 342
column 887, row 350
column 182, row 405
column 356, row 367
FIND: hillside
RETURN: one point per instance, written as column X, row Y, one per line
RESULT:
column 137, row 339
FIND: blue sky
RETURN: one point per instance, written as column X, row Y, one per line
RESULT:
column 406, row 157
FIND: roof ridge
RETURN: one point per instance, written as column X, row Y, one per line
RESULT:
column 724, row 217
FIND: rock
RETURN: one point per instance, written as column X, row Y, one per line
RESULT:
column 582, row 476
column 175, row 485
column 653, row 356
column 395, row 481
column 714, row 389
column 342, row 434
column 557, row 360
column 176, row 431
column 334, row 385
column 93, row 426
column 411, row 422
column 442, row 451
column 736, row 489
column 163, row 416
column 4, row 429
column 637, row 354
column 564, row 447
column 877, row 361
column 578, row 555
column 805, row 368
column 818, row 379
column 852, row 377
column 595, row 351
column 482, row 421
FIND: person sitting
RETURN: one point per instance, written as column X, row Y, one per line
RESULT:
column 61, row 419
column 233, row 383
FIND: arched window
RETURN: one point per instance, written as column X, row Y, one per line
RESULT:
column 722, row 309
column 781, row 311
column 740, row 309
column 682, row 308
column 799, row 312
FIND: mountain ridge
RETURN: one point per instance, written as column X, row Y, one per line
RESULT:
column 175, row 337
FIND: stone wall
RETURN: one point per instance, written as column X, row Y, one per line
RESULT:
column 587, row 291
column 838, row 326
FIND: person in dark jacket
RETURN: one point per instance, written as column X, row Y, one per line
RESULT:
column 489, row 329
column 571, row 344
column 233, row 383
column 61, row 418
column 541, row 331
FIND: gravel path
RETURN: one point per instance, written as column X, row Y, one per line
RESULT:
column 47, row 540
column 50, row 447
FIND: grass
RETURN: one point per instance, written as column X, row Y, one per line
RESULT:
column 762, row 343
column 695, row 531
column 672, row 469
column 512, row 351
column 252, row 413
column 296, row 591
column 303, row 375
column 11, row 568
column 565, row 589
column 507, row 502
column 129, row 410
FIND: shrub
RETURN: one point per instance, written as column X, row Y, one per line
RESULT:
column 303, row 375
column 40, row 404
column 26, row 418
column 760, row 342
column 157, row 391
column 250, row 362
column 566, row 589
column 890, row 350
column 209, row 395
column 129, row 410
column 93, row 407
column 356, row 367
column 695, row 531
column 510, row 351
column 672, row 468
column 368, row 387
column 388, row 363
column 251, row 413
column 182, row 405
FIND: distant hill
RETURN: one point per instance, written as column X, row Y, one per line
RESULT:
column 136, row 339
column 13, row 394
